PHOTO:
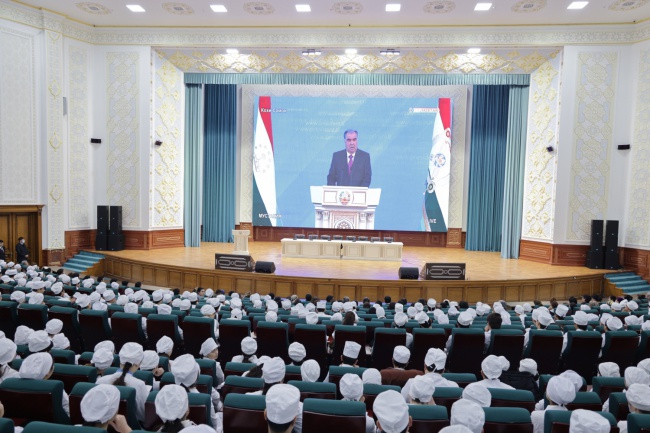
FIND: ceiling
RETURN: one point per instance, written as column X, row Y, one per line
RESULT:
column 333, row 13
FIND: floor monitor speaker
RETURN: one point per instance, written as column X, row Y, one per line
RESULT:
column 406, row 273
column 265, row 267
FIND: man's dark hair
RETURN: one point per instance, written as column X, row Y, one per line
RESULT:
column 348, row 131
column 329, row 298
column 537, row 303
column 596, row 297
column 372, row 310
column 176, row 292
column 628, row 297
column 587, row 298
column 495, row 320
column 399, row 364
column 347, row 360
column 349, row 318
column 554, row 304
column 391, row 306
column 444, row 304
column 387, row 299
column 573, row 300
column 308, row 297
column 138, row 284
column 278, row 428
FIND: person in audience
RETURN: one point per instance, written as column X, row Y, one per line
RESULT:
column 101, row 360
column 645, row 365
column 310, row 371
column 587, row 421
column 40, row 366
column 186, row 373
column 608, row 369
column 7, row 354
column 210, row 350
column 541, row 320
column 172, row 406
column 165, row 346
column 151, row 362
column 559, row 392
column 391, row 412
column 22, row 252
column 209, row 312
column 421, row 391
column 638, row 401
column 53, row 327
column 399, row 321
column 398, row 375
column 612, row 324
column 491, row 370
column 469, row 414
column 494, row 321
column 478, row 393
column 248, row 349
column 464, row 320
column 131, row 356
column 283, row 409
column 38, row 342
column 351, row 388
column 297, row 353
column 273, row 373
column 434, row 365
column 99, row 409
column 632, row 375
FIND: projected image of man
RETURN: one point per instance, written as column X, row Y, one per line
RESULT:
column 351, row 166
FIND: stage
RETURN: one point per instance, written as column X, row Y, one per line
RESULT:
column 489, row 277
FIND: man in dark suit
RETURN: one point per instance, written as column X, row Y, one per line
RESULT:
column 22, row 253
column 351, row 166
column 2, row 250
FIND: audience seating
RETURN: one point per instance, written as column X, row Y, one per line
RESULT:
column 428, row 419
column 231, row 333
column 273, row 339
column 544, row 378
column 545, row 347
column 386, row 339
column 241, row 385
column 94, row 327
column 203, row 383
column 337, row 372
column 195, row 331
column 322, row 390
column 557, row 421
column 508, row 343
column 507, row 420
column 462, row 379
column 127, row 405
column 208, row 367
column 127, row 327
column 70, row 375
column 618, row 406
column 326, row 416
column 47, row 427
column 21, row 396
column 620, row 348
column 199, row 405
column 512, row 398
column 466, row 352
column 159, row 325
column 581, row 354
column 8, row 318
column 371, row 391
column 604, row 386
column 586, row 400
column 245, row 413
column 6, row 425
column 236, row 368
column 293, row 373
column 643, row 350
column 145, row 376
column 423, row 340
column 33, row 316
column 447, row 396
column 638, row 423
column 352, row 333
column 62, row 356
column 70, row 318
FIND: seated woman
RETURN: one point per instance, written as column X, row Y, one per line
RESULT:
column 186, row 374
column 101, row 360
column 40, row 366
column 210, row 350
column 172, row 406
column 7, row 354
column 248, row 349
column 99, row 409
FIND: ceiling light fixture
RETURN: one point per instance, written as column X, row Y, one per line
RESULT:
column 483, row 6
column 311, row 52
column 389, row 52
column 577, row 5
column 393, row 7
column 303, row 8
column 232, row 51
column 135, row 8
column 218, row 8
column 473, row 50
column 350, row 51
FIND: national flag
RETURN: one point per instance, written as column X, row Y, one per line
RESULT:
column 263, row 158
column 436, row 198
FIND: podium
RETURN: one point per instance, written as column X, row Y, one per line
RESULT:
column 345, row 207
column 241, row 241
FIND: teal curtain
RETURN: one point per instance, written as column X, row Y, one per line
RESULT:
column 220, row 145
column 193, row 164
column 487, row 167
column 361, row 79
column 513, row 192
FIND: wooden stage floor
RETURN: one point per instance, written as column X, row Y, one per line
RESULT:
column 480, row 266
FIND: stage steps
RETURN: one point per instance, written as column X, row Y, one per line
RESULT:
column 627, row 283
column 84, row 262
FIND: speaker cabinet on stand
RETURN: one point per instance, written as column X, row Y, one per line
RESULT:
column 611, row 245
column 115, row 236
column 101, row 239
column 596, row 255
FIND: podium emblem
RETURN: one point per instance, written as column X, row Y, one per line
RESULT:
column 344, row 197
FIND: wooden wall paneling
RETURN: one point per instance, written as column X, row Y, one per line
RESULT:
column 434, row 292
column 560, row 291
column 495, row 293
column 266, row 286
column 284, row 289
column 412, row 293
column 190, row 280
column 529, row 292
column 544, row 291
column 393, row 292
column 455, row 292
column 305, row 287
column 161, row 277
column 175, row 279
column 207, row 281
column 325, row 289
column 5, row 235
column 167, row 238
column 148, row 275
column 535, row 251
column 226, row 282
column 454, row 238
column 348, row 290
column 370, row 292
column 302, row 291
column 512, row 293
column 569, row 255
column 136, row 272
column 244, row 285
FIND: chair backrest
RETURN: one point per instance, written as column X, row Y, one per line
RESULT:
column 508, row 343
column 231, row 333
column 199, row 405
column 195, row 331
column 241, row 385
column 643, row 351
column 127, row 406
column 447, row 396
column 70, row 318
column 292, row 372
column 273, row 339
column 423, row 340
column 545, row 347
column 618, row 406
column 386, row 339
column 70, row 375
column 337, row 372
column 371, row 325
column 209, row 368
column 244, row 413
column 371, row 391
column 462, row 379
column 114, row 308
column 21, row 396
column 466, row 352
column 507, row 420
column 351, row 333
column 638, row 423
column 7, row 426
column 428, row 419
column 512, row 398
column 127, row 327
column 33, row 316
column 604, row 386
column 322, row 390
column 145, row 376
column 203, row 383
column 325, row 416
column 586, row 400
column 620, row 348
column 545, row 378
column 237, row 368
column 48, row 427
column 8, row 318
column 94, row 327
column 63, row 356
column 159, row 325
column 582, row 351
column 314, row 338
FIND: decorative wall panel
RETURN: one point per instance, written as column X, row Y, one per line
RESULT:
column 541, row 166
column 638, row 211
column 167, row 159
column 78, row 172
column 18, row 161
column 592, row 139
column 123, row 128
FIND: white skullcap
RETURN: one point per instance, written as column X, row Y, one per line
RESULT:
column 391, row 412
column 528, row 365
column 310, row 371
column 351, row 349
column 311, row 318
column 321, row 305
column 208, row 346
column 114, row 285
column 271, row 305
column 442, row 319
column 131, row 308
column 478, row 393
column 505, row 364
column 604, row 318
column 348, row 306
column 297, row 352
column 295, row 311
column 422, row 389
column 131, row 353
column 165, row 345
column 435, row 357
column 172, row 403
column 201, row 428
column 483, row 309
column 209, row 293
column 609, row 369
column 56, row 288
column 371, row 376
column 605, row 307
column 102, row 358
column 614, row 324
column 122, row 300
column 520, row 310
column 587, row 421
column 545, row 319
column 17, row 296
column 560, row 390
column 638, row 395
column 108, row 295
column 633, row 320
column 236, row 314
column 401, row 354
column 185, row 305
column 185, row 370
column 38, row 285
column 36, row 366
column 248, row 346
column 38, row 341
column 616, row 306
column 11, row 272
column 106, row 344
column 581, row 318
column 100, row 403
column 399, row 308
column 193, row 297
column 632, row 305
column 418, row 306
column 492, row 367
column 101, row 288
column 176, row 303
column 380, row 312
column 282, row 403
column 60, row 341
column 87, row 283
column 351, row 387
column 431, row 303
column 36, row 298
column 644, row 365
column 286, row 304
column 22, row 334
column 422, row 317
column 221, row 298
column 65, row 279
column 75, row 281
column 505, row 317
column 400, row 319
column 585, row 307
column 164, row 309
column 336, row 317
column 207, row 310
column 411, row 312
column 636, row 375
column 234, row 296
column 273, row 370
column 455, row 429
column 150, row 360
column 575, row 378
column 257, row 304
column 99, row 306
column 7, row 351
column 236, row 303
column 337, row 306
column 452, row 311
column 465, row 318
column 468, row 413
column 271, row 316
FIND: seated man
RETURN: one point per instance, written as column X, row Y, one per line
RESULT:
column 392, row 412
column 282, row 408
column 491, row 370
column 494, row 321
column 398, row 375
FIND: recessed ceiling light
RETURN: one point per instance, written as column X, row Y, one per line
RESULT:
column 232, row 51
column 393, row 7
column 135, row 8
column 351, row 51
column 473, row 51
column 218, row 8
column 577, row 5
column 303, row 8
column 483, row 6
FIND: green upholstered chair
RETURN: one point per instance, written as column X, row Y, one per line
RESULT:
column 638, row 423
column 581, row 353
column 386, row 339
column 127, row 327
column 618, row 406
column 325, row 416
column 160, row 325
column 620, row 348
column 292, row 372
column 351, row 333
column 203, row 383
column 586, row 400
column 241, row 385
column 512, row 398
column 127, row 406
column 428, row 419
column 643, row 350
column 70, row 375
column 322, row 390
column 273, row 339
column 604, row 386
column 145, row 376
column 507, row 420
column 337, row 372
column 557, row 421
column 462, row 379
column 314, row 338
column 195, row 331
column 46, row 427
column 63, row 356
column 423, row 340
column 209, row 368
column 231, row 333
column 371, row 391
column 199, row 405
column 70, row 318
column 466, row 351
column 508, row 343
column 244, row 413
column 545, row 347
column 32, row 315
column 447, row 396
column 237, row 368
column 6, row 425
column 21, row 396
column 94, row 327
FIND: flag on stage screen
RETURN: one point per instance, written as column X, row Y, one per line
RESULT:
column 436, row 198
column 263, row 160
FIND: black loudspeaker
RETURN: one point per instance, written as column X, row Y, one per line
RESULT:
column 611, row 237
column 116, row 220
column 102, row 220
column 595, row 260
column 611, row 261
column 115, row 242
column 101, row 242
column 408, row 273
column 265, row 267
column 596, row 244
